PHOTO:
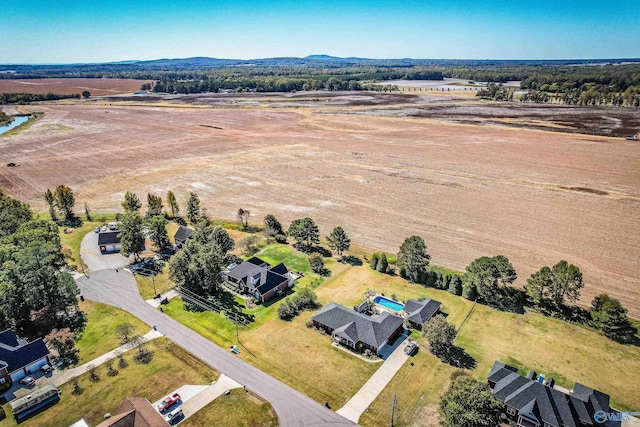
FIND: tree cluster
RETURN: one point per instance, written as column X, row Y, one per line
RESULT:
column 469, row 403
column 305, row 232
column 303, row 299
column 25, row 98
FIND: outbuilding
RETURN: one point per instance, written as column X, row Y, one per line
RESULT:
column 109, row 242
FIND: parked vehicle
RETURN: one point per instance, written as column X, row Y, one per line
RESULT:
column 411, row 348
column 104, row 228
column 30, row 403
column 46, row 369
column 174, row 416
column 168, row 402
column 28, row 381
column 96, row 230
column 234, row 349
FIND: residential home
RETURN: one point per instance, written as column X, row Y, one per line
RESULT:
column 109, row 242
column 182, row 235
column 357, row 330
column 418, row 313
column 19, row 358
column 255, row 277
column 135, row 412
column 529, row 402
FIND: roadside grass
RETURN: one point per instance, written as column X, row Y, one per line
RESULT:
column 162, row 284
column 239, row 409
column 170, row 368
column 98, row 336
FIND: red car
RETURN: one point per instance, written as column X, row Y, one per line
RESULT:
column 168, row 402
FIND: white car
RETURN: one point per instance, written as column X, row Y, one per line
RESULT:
column 174, row 416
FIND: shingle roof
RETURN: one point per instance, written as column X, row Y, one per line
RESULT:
column 245, row 270
column 373, row 331
column 108, row 238
column 420, row 312
column 135, row 412
column 269, row 278
column 183, row 233
column 24, row 354
column 257, row 261
column 272, row 280
column 545, row 404
column 280, row 269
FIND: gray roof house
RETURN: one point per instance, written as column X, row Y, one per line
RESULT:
column 420, row 312
column 108, row 241
column 182, row 235
column 358, row 330
column 531, row 403
column 19, row 358
column 255, row 277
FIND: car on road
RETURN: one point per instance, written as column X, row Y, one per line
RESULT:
column 168, row 402
column 411, row 348
column 174, row 416
column 28, row 381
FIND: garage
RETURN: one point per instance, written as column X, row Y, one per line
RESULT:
column 36, row 365
column 18, row 375
column 109, row 242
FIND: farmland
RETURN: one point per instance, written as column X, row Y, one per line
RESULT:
column 469, row 189
column 97, row 87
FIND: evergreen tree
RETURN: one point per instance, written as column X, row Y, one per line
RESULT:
column 272, row 226
column 48, row 197
column 173, row 204
column 304, row 230
column 383, row 264
column 609, row 316
column 316, row 262
column 193, row 207
column 413, row 259
column 488, row 273
column 469, row 290
column 338, row 240
column 154, row 205
column 131, row 202
column 374, row 261
column 65, row 201
column 455, row 286
column 158, row 232
column 130, row 232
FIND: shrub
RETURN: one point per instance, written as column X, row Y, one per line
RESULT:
column 374, row 261
column 304, row 299
column 281, row 238
column 286, row 310
column 383, row 264
column 469, row 291
column 316, row 262
column 455, row 287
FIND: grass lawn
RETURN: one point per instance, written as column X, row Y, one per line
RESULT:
column 98, row 336
column 237, row 409
column 162, row 284
column 171, row 368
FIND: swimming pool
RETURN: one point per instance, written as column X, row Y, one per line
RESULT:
column 389, row 303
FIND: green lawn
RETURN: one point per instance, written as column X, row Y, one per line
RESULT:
column 162, row 284
column 236, row 409
column 98, row 336
column 171, row 368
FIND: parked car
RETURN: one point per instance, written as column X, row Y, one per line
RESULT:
column 411, row 348
column 104, row 228
column 45, row 369
column 234, row 349
column 96, row 230
column 174, row 416
column 168, row 402
column 28, row 381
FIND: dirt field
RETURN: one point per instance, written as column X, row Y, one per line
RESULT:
column 97, row 87
column 533, row 196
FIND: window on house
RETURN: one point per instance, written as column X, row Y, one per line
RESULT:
column 255, row 279
column 511, row 411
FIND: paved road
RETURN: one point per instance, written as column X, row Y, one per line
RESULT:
column 293, row 408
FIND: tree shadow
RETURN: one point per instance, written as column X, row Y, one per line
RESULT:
column 351, row 260
column 322, row 251
column 231, row 307
column 74, row 222
column 507, row 299
column 459, row 358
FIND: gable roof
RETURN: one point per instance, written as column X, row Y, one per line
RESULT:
column 183, row 233
column 135, row 412
column 280, row 269
column 271, row 281
column 373, row 331
column 108, row 237
column 17, row 357
column 421, row 312
column 544, row 404
column 257, row 261
column 254, row 266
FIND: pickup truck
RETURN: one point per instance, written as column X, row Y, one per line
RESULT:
column 168, row 402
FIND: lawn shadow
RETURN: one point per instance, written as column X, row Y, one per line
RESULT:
column 459, row 358
column 351, row 260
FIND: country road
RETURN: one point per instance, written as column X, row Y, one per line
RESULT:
column 294, row 409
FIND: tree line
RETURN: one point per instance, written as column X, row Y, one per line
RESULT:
column 24, row 98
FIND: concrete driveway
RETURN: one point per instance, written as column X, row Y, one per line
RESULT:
column 91, row 255
column 293, row 408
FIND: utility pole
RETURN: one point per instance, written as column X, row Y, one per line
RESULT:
column 393, row 408
column 82, row 265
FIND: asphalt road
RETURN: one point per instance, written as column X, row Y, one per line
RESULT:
column 294, row 409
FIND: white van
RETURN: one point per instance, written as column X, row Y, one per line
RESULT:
column 174, row 416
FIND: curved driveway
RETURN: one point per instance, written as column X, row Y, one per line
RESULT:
column 293, row 408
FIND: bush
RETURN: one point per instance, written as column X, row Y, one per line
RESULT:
column 304, row 299
column 455, row 287
column 383, row 264
column 281, row 238
column 374, row 261
column 287, row 310
column 316, row 262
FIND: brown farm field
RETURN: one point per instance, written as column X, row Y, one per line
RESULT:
column 97, row 87
column 470, row 190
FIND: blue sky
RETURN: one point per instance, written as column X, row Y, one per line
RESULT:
column 97, row 31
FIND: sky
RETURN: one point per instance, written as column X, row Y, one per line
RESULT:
column 65, row 31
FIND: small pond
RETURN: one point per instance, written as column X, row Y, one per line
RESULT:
column 17, row 121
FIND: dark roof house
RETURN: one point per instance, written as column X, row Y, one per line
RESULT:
column 351, row 327
column 135, row 412
column 182, row 235
column 19, row 357
column 420, row 312
column 108, row 237
column 531, row 403
column 255, row 277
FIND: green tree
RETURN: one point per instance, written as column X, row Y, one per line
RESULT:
column 338, row 240
column 469, row 290
column 469, row 403
column 304, row 230
column 13, row 213
column 48, row 197
column 131, row 202
column 87, row 213
column 374, row 261
column 193, row 207
column 566, row 283
column 130, row 232
column 86, row 94
column 154, row 205
column 488, row 273
column 62, row 341
column 125, row 332
column 272, row 227
column 158, row 232
column 455, row 286
column 65, row 201
column 249, row 245
column 383, row 264
column 440, row 335
column 173, row 204
column 316, row 262
column 609, row 316
column 538, row 286
column 413, row 258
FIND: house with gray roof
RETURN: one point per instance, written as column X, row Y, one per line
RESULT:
column 19, row 358
column 109, row 242
column 357, row 330
column 420, row 312
column 530, row 402
column 256, row 278
column 181, row 235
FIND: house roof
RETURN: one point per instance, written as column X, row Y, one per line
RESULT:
column 544, row 404
column 24, row 354
column 257, row 261
column 135, row 412
column 420, row 312
column 373, row 331
column 272, row 280
column 108, row 237
column 183, row 233
column 269, row 278
column 246, row 269
column 280, row 269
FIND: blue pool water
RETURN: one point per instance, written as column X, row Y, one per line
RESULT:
column 390, row 304
column 17, row 121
